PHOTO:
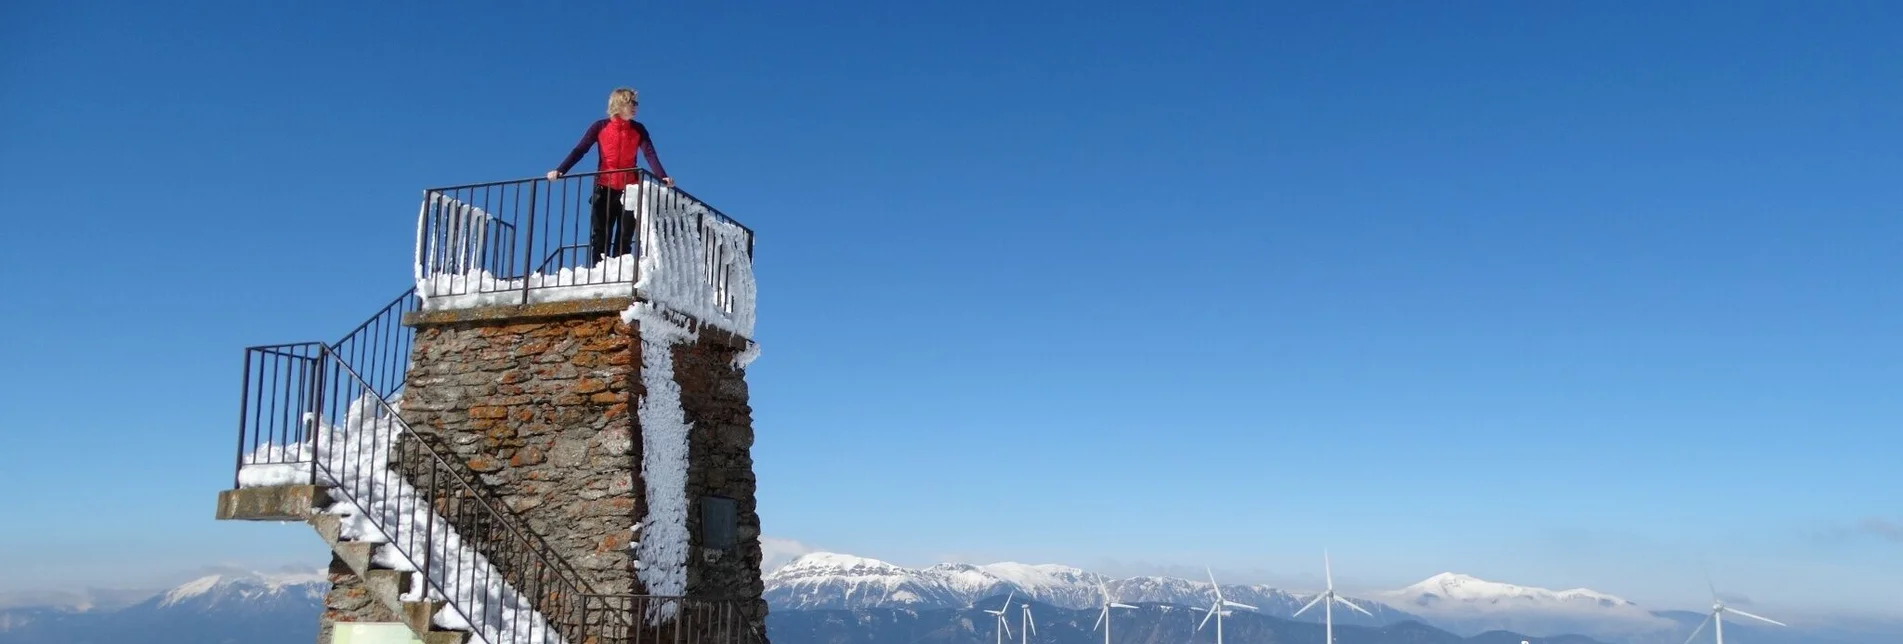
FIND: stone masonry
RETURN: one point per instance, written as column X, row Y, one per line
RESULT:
column 540, row 410
column 348, row 601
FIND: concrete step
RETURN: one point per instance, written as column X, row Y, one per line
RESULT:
column 445, row 637
column 356, row 554
column 388, row 582
column 418, row 614
column 330, row 528
column 275, row 503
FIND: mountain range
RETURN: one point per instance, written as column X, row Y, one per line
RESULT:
column 1462, row 605
column 825, row 598
column 218, row 609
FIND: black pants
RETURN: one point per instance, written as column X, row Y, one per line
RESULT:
column 609, row 219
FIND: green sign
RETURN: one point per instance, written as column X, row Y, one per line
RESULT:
column 372, row 633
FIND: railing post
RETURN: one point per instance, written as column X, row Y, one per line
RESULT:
column 244, row 404
column 428, row 498
column 317, row 408
column 527, row 279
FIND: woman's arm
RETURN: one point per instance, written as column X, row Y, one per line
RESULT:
column 587, row 141
column 654, row 160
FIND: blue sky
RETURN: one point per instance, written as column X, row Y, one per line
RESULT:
column 1541, row 292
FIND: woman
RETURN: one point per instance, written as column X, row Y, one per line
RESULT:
column 617, row 136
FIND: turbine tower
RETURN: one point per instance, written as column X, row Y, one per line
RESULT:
column 1216, row 610
column 1328, row 598
column 1004, row 627
column 1717, row 617
column 1103, row 618
column 1030, row 625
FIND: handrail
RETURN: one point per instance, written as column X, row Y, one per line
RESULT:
column 528, row 240
column 643, row 172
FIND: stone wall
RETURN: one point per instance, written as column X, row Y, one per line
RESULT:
column 348, row 601
column 714, row 399
column 540, row 412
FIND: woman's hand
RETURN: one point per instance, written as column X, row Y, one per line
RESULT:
column 553, row 175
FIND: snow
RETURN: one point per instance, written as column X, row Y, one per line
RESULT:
column 452, row 237
column 663, row 550
column 1469, row 589
column 835, row 563
column 390, row 512
column 246, row 587
column 271, row 465
column 696, row 263
column 476, row 287
column 190, row 589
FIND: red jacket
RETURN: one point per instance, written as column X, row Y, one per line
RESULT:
column 618, row 140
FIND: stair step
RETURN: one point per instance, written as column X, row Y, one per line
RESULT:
column 418, row 614
column 445, row 637
column 392, row 582
column 329, row 526
column 356, row 554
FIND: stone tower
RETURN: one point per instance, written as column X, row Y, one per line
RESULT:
column 534, row 445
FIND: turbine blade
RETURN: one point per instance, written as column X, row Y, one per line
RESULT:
column 1212, row 613
column 1328, row 570
column 1311, row 604
column 1344, row 601
column 1122, row 606
column 1007, row 627
column 1700, row 629
column 1100, row 617
column 1238, row 605
column 1212, row 582
column 1767, row 620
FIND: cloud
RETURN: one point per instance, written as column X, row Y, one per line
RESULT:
column 776, row 552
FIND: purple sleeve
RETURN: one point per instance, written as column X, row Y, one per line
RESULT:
column 587, row 141
column 647, row 150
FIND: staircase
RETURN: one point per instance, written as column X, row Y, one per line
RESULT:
column 321, row 441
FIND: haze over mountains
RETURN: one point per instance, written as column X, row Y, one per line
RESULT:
column 827, row 598
column 1463, row 605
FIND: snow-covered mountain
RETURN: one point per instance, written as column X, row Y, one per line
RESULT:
column 1451, row 590
column 1468, row 605
column 248, row 608
column 831, row 581
column 1461, row 604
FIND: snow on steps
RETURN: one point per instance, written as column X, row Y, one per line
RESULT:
column 387, row 586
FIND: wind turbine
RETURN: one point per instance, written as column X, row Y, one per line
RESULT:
column 1717, row 617
column 1103, row 618
column 1328, row 598
column 1216, row 610
column 1004, row 627
column 1029, row 626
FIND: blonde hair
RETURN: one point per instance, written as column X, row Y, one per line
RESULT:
column 621, row 99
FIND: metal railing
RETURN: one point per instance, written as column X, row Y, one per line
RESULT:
column 508, row 242
column 337, row 432
column 315, row 413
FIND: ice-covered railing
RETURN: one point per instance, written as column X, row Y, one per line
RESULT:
column 535, row 240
